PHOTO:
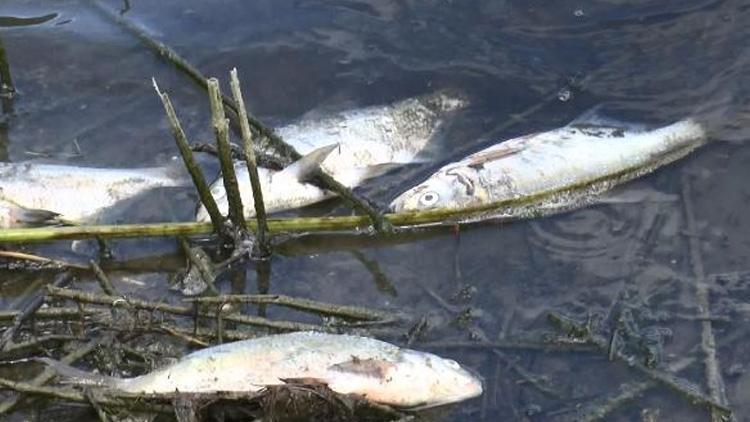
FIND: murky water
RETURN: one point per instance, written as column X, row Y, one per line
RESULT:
column 85, row 97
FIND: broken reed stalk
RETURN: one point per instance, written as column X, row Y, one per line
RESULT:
column 108, row 300
column 192, row 166
column 323, row 308
column 263, row 245
column 228, row 175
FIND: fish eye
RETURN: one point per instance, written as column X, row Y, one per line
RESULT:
column 453, row 364
column 429, row 198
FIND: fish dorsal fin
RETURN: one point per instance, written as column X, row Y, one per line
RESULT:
column 371, row 367
column 306, row 166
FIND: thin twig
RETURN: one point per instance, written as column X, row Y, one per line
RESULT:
column 353, row 312
column 263, row 245
column 31, row 307
column 88, row 297
column 53, row 263
column 102, row 278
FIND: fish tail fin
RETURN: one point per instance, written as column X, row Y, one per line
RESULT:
column 76, row 376
column 14, row 215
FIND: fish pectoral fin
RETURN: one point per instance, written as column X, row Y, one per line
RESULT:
column 304, row 381
column 375, row 368
column 34, row 217
column 303, row 168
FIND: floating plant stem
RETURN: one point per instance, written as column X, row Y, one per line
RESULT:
column 263, row 246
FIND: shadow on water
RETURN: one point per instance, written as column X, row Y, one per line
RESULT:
column 626, row 266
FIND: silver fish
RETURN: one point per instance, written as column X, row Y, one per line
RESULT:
column 367, row 141
column 34, row 193
column 554, row 170
column 373, row 369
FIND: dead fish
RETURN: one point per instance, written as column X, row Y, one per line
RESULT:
column 556, row 170
column 368, row 142
column 392, row 133
column 347, row 364
column 41, row 194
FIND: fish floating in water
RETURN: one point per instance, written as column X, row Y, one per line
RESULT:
column 33, row 194
column 367, row 141
column 376, row 370
column 555, row 170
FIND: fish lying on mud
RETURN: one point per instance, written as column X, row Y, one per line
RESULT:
column 366, row 139
column 373, row 369
column 41, row 194
column 555, row 170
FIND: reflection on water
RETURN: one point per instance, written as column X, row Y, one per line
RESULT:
column 82, row 80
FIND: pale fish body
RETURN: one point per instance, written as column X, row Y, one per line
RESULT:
column 376, row 370
column 366, row 139
column 36, row 190
column 392, row 133
column 556, row 170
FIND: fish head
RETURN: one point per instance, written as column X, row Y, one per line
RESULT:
column 428, row 380
column 411, row 379
column 450, row 187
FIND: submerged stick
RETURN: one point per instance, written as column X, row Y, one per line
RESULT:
column 664, row 378
column 228, row 175
column 102, row 278
column 46, row 375
column 192, row 166
column 252, row 168
column 31, row 307
column 708, row 342
column 344, row 311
